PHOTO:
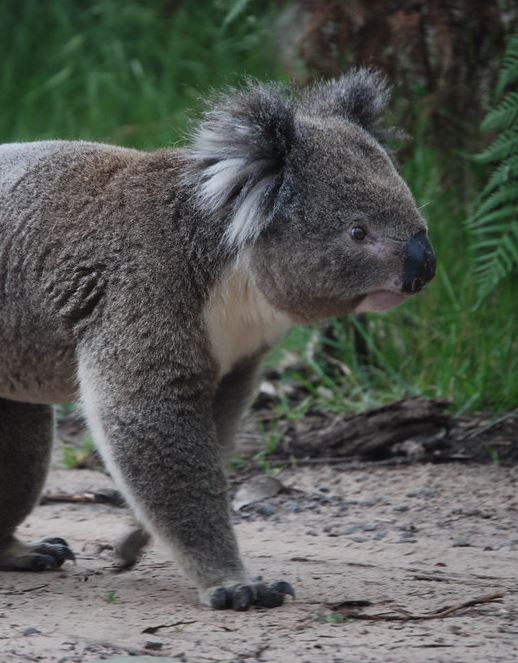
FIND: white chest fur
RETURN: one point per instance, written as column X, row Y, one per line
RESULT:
column 240, row 321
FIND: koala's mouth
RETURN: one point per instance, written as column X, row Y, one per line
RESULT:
column 381, row 300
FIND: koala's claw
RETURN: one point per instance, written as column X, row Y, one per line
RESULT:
column 242, row 597
column 55, row 548
column 44, row 555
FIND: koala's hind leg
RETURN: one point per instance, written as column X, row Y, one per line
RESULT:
column 129, row 549
column 26, row 432
column 234, row 394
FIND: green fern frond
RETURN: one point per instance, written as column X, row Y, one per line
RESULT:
column 500, row 229
column 506, row 214
column 500, row 260
column 504, row 146
column 504, row 115
column 494, row 225
column 507, row 171
column 509, row 68
column 504, row 195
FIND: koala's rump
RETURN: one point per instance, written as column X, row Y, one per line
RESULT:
column 50, row 276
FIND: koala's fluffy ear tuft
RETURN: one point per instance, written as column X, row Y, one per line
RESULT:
column 360, row 96
column 237, row 156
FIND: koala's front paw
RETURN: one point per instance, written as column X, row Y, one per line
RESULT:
column 243, row 596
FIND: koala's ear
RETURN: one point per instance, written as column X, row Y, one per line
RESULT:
column 360, row 96
column 237, row 157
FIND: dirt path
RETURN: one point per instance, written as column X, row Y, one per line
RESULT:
column 417, row 538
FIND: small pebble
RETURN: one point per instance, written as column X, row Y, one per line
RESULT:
column 368, row 502
column 153, row 645
column 265, row 510
column 370, row 527
column 424, row 493
column 408, row 527
column 406, row 535
column 461, row 543
column 30, row 630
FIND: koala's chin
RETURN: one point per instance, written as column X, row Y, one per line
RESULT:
column 381, row 300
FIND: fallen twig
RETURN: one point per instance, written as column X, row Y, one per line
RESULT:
column 154, row 629
column 434, row 578
column 112, row 497
column 472, row 434
column 131, row 651
column 351, row 463
column 23, row 591
column 405, row 616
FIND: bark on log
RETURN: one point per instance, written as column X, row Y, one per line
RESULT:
column 373, row 433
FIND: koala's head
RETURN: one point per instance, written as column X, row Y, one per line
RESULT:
column 311, row 195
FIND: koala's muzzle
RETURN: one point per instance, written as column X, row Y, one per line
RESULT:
column 420, row 264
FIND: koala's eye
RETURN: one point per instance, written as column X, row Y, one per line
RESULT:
column 358, row 233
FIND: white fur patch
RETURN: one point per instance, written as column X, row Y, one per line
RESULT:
column 248, row 219
column 239, row 319
column 214, row 184
column 218, row 181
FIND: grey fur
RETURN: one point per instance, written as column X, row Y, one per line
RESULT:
column 125, row 281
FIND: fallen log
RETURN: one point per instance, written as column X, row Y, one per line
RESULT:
column 374, row 433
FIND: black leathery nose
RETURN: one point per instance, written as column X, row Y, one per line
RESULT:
column 420, row 263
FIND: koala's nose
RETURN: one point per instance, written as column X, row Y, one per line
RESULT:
column 419, row 267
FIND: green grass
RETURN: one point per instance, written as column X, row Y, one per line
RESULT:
column 111, row 598
column 129, row 73
column 123, row 72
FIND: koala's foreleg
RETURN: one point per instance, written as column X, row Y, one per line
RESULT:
column 158, row 437
column 26, row 432
column 233, row 395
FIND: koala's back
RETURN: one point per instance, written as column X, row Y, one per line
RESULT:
column 62, row 208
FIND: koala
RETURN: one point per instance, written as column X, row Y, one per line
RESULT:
column 149, row 285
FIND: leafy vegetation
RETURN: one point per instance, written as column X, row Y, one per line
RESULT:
column 130, row 72
column 74, row 458
column 122, row 72
column 495, row 223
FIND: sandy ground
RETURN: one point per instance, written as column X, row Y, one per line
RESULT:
column 416, row 538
